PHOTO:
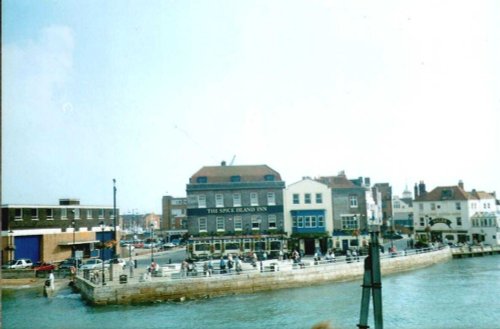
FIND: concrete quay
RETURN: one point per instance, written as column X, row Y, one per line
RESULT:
column 474, row 251
column 274, row 275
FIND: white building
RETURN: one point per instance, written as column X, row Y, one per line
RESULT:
column 308, row 215
column 450, row 214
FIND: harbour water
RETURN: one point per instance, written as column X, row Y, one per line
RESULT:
column 461, row 293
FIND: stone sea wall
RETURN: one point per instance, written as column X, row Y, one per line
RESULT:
column 166, row 289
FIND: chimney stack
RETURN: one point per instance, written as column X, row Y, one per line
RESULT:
column 461, row 184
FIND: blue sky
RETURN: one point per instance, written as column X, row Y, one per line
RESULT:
column 149, row 92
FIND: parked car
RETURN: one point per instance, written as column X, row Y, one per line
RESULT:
column 119, row 261
column 68, row 263
column 93, row 264
column 18, row 264
column 44, row 267
column 168, row 245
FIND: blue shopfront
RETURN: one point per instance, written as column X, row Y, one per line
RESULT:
column 309, row 232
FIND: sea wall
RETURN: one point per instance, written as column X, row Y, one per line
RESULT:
column 167, row 289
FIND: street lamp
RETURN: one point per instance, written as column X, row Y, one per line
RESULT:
column 114, row 217
column 73, row 246
column 152, row 245
column 101, row 224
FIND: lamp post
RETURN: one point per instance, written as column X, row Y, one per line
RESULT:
column 152, row 233
column 73, row 246
column 114, row 217
column 101, row 224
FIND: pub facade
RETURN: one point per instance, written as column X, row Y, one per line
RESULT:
column 235, row 210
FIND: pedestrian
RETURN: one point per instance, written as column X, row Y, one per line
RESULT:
column 52, row 280
column 264, row 255
column 210, row 267
column 72, row 271
column 222, row 265
column 238, row 265
column 184, row 267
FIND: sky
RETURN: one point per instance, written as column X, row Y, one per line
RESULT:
column 149, row 92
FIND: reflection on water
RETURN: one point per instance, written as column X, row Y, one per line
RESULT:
column 458, row 294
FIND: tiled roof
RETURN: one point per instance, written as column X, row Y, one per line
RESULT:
column 442, row 193
column 249, row 173
column 340, row 181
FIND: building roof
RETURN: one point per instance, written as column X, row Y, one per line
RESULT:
column 443, row 193
column 247, row 173
column 340, row 181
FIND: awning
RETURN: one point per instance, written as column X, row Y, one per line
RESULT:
column 70, row 243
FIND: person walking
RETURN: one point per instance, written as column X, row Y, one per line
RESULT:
column 52, row 281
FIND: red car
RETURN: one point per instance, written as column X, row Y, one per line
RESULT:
column 43, row 267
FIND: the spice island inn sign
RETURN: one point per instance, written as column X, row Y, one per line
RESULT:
column 235, row 210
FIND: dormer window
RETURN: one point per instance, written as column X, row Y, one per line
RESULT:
column 269, row 178
column 201, row 179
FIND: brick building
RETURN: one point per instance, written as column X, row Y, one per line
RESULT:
column 235, row 209
column 51, row 233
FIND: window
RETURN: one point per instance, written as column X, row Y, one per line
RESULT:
column 219, row 200
column 256, row 220
column 238, row 223
column 314, row 221
column 34, row 213
column 219, row 222
column 459, row 221
column 271, row 199
column 89, row 214
column 202, row 201
column 433, row 206
column 349, row 222
column 319, row 198
column 421, row 206
column 422, row 221
column 64, row 213
column 296, row 198
column 321, row 221
column 269, row 178
column 271, row 219
column 458, row 206
column 254, row 200
column 18, row 214
column 397, row 205
column 294, row 221
column 201, row 179
column 353, row 201
column 307, row 221
column 300, row 221
column 49, row 214
column 236, row 200
column 77, row 213
column 307, row 198
column 101, row 213
column 202, row 224
column 235, row 179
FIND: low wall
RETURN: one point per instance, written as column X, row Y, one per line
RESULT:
column 161, row 289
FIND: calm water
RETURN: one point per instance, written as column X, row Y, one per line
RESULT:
column 458, row 294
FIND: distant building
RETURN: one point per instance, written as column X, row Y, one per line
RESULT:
column 386, row 197
column 235, row 209
column 451, row 214
column 174, row 213
column 356, row 209
column 402, row 212
column 309, row 216
column 51, row 233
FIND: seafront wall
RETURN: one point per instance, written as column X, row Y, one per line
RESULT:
column 168, row 289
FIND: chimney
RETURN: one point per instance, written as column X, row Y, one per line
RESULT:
column 367, row 181
column 461, row 184
column 223, row 163
column 421, row 188
column 415, row 191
